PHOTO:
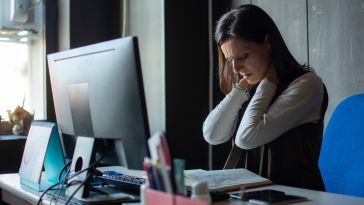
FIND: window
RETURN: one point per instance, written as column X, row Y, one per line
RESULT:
column 22, row 78
column 14, row 77
column 22, row 60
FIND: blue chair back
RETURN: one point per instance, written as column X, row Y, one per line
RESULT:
column 342, row 153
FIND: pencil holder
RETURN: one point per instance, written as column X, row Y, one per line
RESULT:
column 152, row 197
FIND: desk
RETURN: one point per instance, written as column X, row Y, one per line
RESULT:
column 315, row 197
column 12, row 193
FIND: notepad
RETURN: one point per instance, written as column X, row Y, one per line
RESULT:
column 227, row 179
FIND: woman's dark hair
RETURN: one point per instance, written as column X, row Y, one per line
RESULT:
column 251, row 23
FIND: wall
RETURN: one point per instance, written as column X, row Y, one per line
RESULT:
column 64, row 25
column 291, row 19
column 82, row 23
column 187, row 79
column 53, row 17
column 174, row 53
column 336, row 33
column 173, row 38
column 93, row 21
column 37, row 60
column 145, row 19
column 72, row 24
column 327, row 35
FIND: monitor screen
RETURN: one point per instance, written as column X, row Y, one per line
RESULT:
column 98, row 92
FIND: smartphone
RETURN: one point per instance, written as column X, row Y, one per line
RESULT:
column 276, row 200
column 246, row 196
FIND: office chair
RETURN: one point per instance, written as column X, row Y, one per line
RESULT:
column 342, row 153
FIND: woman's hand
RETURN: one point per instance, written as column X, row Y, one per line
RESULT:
column 270, row 75
column 244, row 83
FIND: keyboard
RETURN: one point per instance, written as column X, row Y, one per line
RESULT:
column 122, row 181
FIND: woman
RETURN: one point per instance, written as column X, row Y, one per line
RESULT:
column 274, row 107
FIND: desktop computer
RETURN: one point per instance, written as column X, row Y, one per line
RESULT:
column 99, row 99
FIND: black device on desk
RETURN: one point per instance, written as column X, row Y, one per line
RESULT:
column 99, row 98
column 267, row 197
column 276, row 200
column 246, row 196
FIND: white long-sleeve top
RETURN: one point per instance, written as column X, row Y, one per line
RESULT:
column 262, row 123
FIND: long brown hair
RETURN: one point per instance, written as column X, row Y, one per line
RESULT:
column 251, row 23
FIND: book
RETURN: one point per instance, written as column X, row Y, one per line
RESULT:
column 226, row 179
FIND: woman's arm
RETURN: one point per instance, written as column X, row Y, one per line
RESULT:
column 220, row 124
column 298, row 104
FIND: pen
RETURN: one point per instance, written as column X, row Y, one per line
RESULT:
column 148, row 169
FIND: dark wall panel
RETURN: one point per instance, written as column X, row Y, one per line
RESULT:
column 51, row 22
column 93, row 21
column 220, row 152
column 186, row 72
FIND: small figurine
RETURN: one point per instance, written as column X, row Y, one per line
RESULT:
column 21, row 121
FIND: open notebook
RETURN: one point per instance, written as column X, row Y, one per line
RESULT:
column 226, row 180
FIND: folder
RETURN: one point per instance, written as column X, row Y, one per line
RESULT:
column 42, row 149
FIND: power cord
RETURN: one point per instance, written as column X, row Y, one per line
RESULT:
column 78, row 188
column 58, row 183
column 69, row 176
column 92, row 166
column 57, row 194
column 65, row 182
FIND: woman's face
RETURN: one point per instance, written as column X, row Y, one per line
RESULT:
column 248, row 59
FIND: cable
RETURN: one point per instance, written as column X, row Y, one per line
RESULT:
column 65, row 182
column 67, row 177
column 45, row 191
column 56, row 195
column 68, row 164
column 55, row 185
column 78, row 188
column 105, row 153
column 92, row 166
column 83, row 170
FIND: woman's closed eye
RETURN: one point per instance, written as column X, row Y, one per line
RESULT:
column 239, row 57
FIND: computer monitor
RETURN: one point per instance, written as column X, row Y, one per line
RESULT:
column 98, row 94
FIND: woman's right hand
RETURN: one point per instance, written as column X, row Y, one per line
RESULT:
column 244, row 83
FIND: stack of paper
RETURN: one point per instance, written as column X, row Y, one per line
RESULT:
column 227, row 179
